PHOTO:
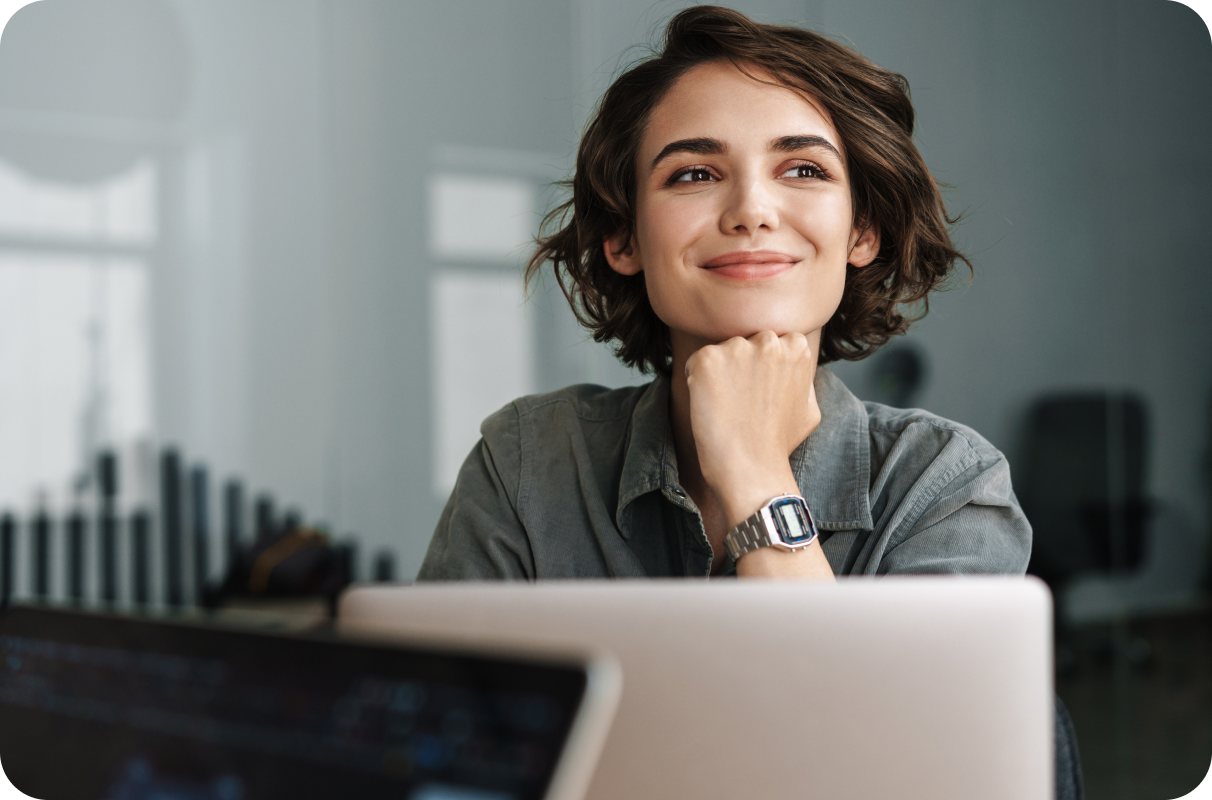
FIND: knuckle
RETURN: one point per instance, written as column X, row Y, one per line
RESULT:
column 706, row 357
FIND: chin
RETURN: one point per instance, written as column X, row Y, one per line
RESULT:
column 750, row 325
column 723, row 334
column 717, row 321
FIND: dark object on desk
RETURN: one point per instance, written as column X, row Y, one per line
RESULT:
column 41, row 535
column 292, row 519
column 199, row 507
column 233, row 519
column 347, row 552
column 263, row 517
column 385, row 567
column 107, row 524
column 171, row 527
column 143, row 708
column 297, row 562
column 140, row 545
column 77, row 531
column 8, row 535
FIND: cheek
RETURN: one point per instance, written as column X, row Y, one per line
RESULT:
column 666, row 232
column 826, row 222
column 662, row 294
column 668, row 228
column 827, row 281
column 831, row 291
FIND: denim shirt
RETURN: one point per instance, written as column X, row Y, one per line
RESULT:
column 583, row 483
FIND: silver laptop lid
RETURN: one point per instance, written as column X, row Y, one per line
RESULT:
column 897, row 687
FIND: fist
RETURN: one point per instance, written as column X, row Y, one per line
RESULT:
column 751, row 404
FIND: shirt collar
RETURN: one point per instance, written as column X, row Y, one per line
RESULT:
column 649, row 463
column 832, row 466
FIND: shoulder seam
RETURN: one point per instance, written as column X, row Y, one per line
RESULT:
column 530, row 407
column 939, row 423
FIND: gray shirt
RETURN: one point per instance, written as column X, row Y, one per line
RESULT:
column 583, row 483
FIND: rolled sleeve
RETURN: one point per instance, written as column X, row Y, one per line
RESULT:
column 973, row 526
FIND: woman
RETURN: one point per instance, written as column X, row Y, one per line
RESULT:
column 747, row 207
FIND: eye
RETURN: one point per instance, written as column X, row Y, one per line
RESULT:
column 805, row 171
column 693, row 175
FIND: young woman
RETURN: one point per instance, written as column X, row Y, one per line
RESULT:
column 747, row 207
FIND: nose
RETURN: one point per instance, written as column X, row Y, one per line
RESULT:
column 750, row 208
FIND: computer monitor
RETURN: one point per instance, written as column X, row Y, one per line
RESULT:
column 100, row 707
column 915, row 687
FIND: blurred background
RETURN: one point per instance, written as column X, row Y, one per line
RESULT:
column 273, row 248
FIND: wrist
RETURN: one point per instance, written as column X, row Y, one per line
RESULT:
column 773, row 539
column 771, row 562
column 744, row 494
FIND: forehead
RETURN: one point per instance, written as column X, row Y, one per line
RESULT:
column 717, row 100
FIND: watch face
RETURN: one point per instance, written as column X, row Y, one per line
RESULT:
column 791, row 518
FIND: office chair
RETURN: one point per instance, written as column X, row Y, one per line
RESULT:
column 1081, row 482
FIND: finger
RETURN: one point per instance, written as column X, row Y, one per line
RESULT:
column 692, row 362
column 795, row 343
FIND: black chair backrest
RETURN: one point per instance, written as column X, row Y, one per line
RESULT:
column 1081, row 481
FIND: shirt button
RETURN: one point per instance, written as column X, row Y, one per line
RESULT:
column 678, row 491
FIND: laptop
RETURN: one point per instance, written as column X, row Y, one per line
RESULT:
column 104, row 707
column 915, row 687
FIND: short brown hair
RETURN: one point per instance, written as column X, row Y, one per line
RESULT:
column 891, row 187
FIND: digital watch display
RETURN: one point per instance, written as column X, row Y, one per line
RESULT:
column 784, row 522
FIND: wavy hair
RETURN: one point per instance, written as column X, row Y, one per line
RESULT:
column 891, row 188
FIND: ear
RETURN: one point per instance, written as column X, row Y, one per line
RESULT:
column 865, row 246
column 622, row 255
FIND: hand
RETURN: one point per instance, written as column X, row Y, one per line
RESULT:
column 751, row 404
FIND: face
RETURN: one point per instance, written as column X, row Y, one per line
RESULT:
column 743, row 214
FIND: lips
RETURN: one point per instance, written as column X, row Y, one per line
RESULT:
column 750, row 265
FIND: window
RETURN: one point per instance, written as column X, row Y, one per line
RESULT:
column 75, row 360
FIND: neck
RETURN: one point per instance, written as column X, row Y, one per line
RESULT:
column 689, row 473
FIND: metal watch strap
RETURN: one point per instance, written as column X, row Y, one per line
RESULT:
column 750, row 535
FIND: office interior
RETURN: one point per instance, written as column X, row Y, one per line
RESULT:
column 282, row 240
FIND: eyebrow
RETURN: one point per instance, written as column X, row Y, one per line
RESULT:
column 789, row 144
column 707, row 146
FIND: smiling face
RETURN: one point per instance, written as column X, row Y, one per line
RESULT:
column 743, row 212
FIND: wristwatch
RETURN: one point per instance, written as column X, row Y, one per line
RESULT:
column 784, row 522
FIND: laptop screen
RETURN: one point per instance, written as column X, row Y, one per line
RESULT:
column 110, row 708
